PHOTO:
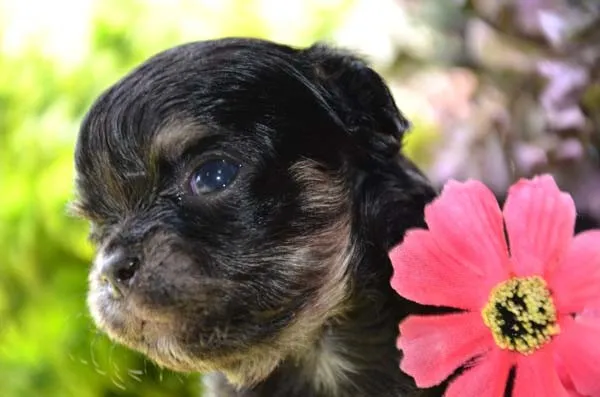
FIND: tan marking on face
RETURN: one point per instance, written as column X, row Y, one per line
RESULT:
column 322, row 191
column 175, row 138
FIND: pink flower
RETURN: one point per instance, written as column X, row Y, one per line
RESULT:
column 531, row 303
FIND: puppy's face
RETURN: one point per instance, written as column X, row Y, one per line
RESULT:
column 220, row 187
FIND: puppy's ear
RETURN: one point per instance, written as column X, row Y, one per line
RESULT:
column 360, row 96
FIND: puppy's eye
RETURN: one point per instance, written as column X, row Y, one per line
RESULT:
column 213, row 176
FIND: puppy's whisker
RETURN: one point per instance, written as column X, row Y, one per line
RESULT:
column 135, row 374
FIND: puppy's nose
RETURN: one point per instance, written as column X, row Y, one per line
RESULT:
column 118, row 269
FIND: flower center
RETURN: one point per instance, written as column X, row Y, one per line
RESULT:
column 520, row 313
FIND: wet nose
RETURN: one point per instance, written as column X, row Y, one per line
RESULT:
column 118, row 269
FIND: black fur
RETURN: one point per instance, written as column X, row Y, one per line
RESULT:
column 254, row 275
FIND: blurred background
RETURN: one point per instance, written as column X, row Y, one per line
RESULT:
column 496, row 90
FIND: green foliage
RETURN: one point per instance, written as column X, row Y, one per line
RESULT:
column 48, row 345
column 421, row 143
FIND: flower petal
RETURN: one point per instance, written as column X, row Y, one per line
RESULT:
column 488, row 377
column 575, row 282
column 578, row 349
column 536, row 375
column 435, row 346
column 565, row 378
column 573, row 393
column 539, row 220
column 461, row 257
column 591, row 311
column 466, row 222
column 426, row 274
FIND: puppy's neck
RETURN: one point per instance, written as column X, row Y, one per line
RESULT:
column 355, row 355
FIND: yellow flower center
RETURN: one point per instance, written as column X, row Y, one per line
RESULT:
column 520, row 313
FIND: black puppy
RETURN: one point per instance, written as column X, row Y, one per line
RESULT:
column 243, row 196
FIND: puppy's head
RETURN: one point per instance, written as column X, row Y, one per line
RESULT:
column 226, row 183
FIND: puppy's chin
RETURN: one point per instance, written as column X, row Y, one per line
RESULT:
column 154, row 338
column 153, row 331
column 184, row 342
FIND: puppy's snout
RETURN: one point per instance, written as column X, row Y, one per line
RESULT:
column 118, row 269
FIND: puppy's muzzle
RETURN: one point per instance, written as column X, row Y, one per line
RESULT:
column 117, row 270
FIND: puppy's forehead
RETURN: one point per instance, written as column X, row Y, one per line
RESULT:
column 172, row 95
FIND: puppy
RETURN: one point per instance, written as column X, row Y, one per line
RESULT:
column 243, row 196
